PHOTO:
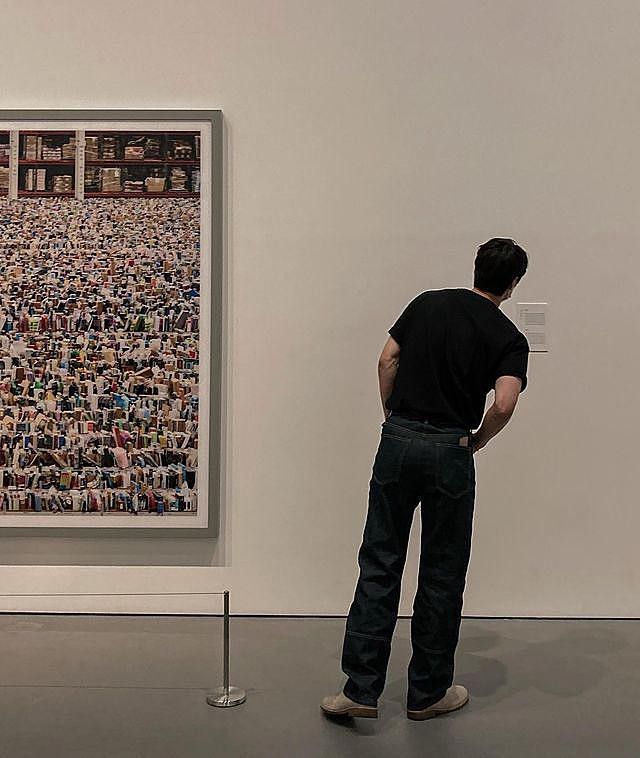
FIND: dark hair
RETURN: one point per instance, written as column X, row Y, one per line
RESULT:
column 498, row 262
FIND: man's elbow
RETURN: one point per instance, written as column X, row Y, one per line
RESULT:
column 506, row 397
column 504, row 409
column 387, row 363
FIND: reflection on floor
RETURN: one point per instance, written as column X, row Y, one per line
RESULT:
column 132, row 687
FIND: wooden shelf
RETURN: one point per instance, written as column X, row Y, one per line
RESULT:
column 125, row 162
column 119, row 162
column 4, row 161
column 27, row 193
column 142, row 194
column 24, row 162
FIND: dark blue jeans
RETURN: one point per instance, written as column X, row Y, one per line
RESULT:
column 415, row 463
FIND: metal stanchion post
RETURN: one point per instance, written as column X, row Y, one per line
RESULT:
column 226, row 696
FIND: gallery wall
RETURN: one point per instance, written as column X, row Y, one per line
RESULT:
column 370, row 147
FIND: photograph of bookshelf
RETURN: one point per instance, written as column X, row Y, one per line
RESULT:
column 104, row 386
column 120, row 164
column 4, row 163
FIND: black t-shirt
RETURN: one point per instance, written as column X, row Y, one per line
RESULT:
column 454, row 344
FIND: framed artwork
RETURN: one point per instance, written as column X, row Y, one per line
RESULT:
column 110, row 244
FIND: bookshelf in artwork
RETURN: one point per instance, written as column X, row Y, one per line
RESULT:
column 95, row 164
column 46, row 164
column 119, row 164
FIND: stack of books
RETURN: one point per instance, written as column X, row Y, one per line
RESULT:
column 178, row 180
column 111, row 180
column 50, row 153
column 109, row 148
column 181, row 150
column 31, row 147
column 62, row 183
column 152, row 147
column 134, row 151
column 35, row 180
column 91, row 149
column 92, row 179
column 132, row 185
column 69, row 150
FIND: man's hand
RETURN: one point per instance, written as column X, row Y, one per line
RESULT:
column 497, row 417
column 476, row 443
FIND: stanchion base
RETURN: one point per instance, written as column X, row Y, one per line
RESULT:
column 222, row 698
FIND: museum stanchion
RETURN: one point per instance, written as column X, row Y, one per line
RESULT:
column 223, row 697
column 226, row 696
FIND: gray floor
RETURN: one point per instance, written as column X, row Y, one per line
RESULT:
column 127, row 687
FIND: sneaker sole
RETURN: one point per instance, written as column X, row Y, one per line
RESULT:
column 430, row 713
column 359, row 713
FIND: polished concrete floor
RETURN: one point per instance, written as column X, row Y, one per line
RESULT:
column 135, row 687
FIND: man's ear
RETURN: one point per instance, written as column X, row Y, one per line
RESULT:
column 509, row 291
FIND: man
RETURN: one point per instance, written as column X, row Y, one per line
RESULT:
column 447, row 350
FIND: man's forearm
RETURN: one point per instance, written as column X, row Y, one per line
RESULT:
column 493, row 423
column 387, row 371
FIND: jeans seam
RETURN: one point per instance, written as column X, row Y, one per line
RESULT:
column 368, row 636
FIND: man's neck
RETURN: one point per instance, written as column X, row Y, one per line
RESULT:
column 494, row 298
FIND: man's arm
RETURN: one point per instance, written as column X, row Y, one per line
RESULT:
column 498, row 416
column 387, row 370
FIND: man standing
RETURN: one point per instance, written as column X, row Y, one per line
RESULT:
column 447, row 350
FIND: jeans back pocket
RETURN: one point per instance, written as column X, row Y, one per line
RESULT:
column 454, row 470
column 389, row 458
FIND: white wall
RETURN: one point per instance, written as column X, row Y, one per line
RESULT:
column 371, row 147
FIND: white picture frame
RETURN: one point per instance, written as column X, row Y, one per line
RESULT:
column 208, row 125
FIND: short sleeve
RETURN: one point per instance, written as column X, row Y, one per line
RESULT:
column 514, row 361
column 399, row 330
